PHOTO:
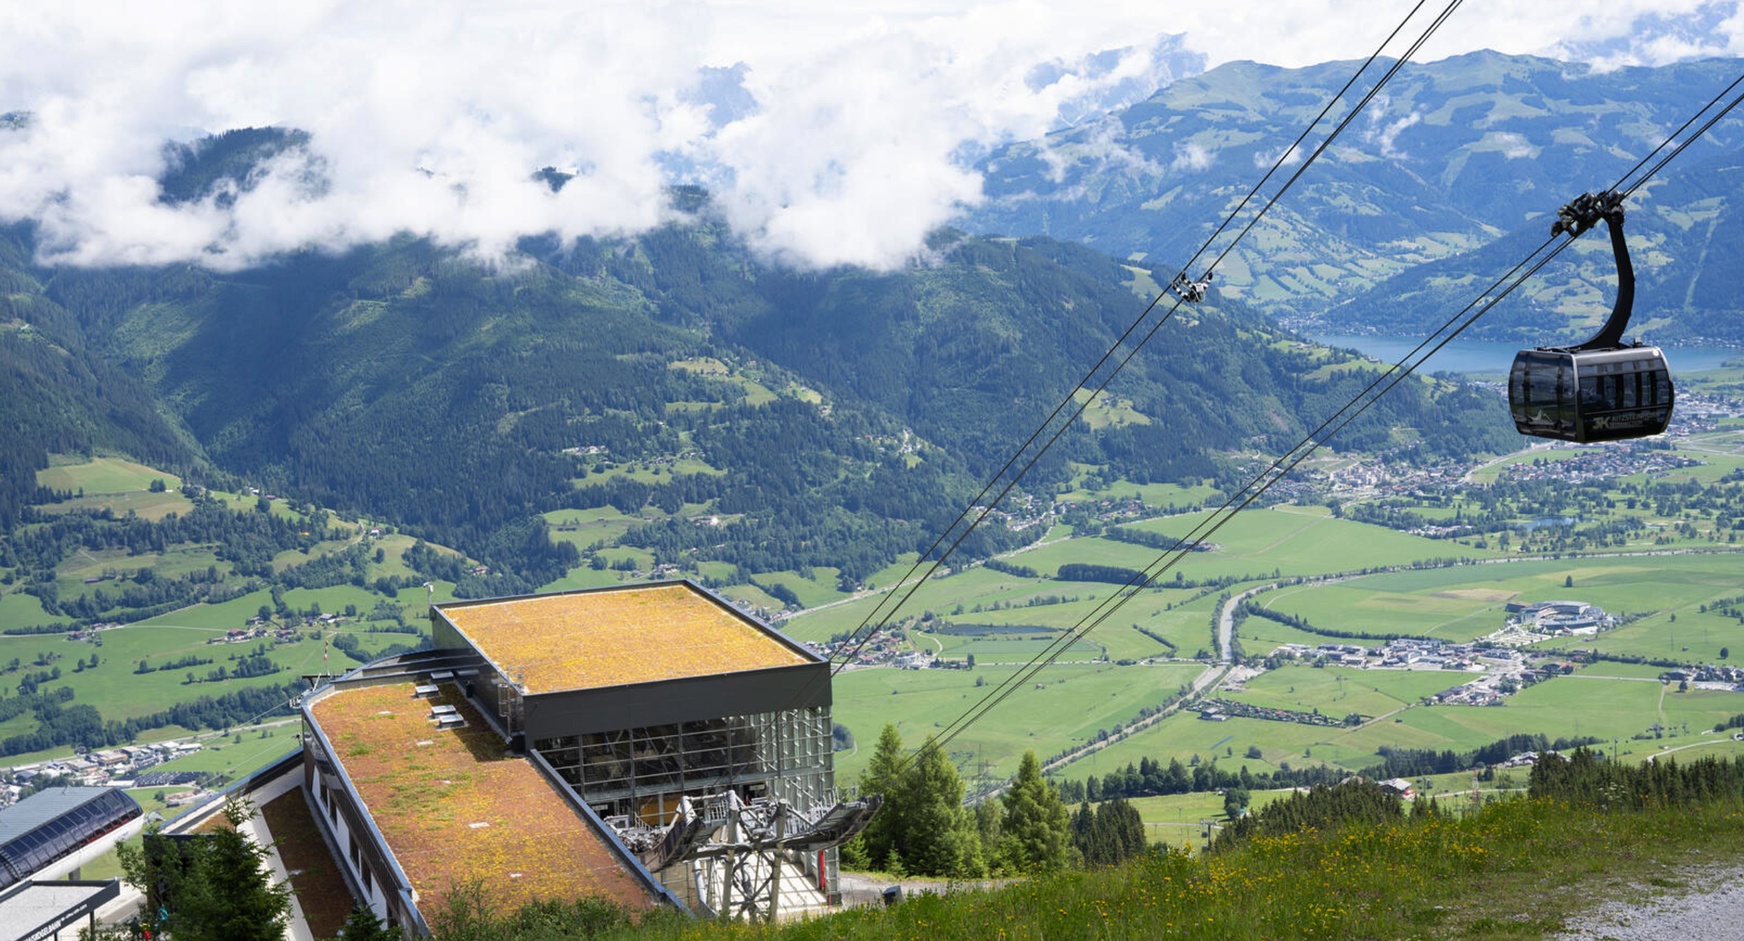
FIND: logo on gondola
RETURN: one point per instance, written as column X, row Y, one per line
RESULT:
column 1625, row 420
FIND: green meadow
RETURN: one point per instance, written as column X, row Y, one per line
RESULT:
column 1153, row 494
column 1352, row 606
column 1339, row 691
column 144, row 504
column 1624, row 709
column 1065, row 705
column 103, row 475
column 230, row 756
column 1664, row 594
column 585, row 528
column 648, row 473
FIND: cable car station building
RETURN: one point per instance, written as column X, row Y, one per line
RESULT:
column 657, row 745
column 638, row 696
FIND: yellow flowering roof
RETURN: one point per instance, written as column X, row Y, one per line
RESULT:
column 590, row 639
column 457, row 809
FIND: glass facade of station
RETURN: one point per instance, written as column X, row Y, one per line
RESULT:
column 52, row 824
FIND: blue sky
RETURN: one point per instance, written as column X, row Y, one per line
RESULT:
column 830, row 132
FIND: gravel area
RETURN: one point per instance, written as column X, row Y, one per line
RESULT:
column 1707, row 905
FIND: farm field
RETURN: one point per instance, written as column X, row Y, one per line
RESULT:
column 1714, row 745
column 1155, row 494
column 118, row 691
column 1464, row 602
column 1560, row 707
column 115, row 689
column 1289, row 540
column 1182, row 737
column 586, row 527
column 966, row 589
column 1339, row 691
column 1454, row 615
column 647, row 472
column 227, row 757
column 1576, row 706
column 817, row 589
column 1660, row 594
column 1019, row 646
column 584, row 578
column 1180, row 819
column 1073, row 703
column 982, row 596
column 144, row 504
column 16, row 607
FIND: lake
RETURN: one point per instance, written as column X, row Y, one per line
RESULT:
column 1487, row 357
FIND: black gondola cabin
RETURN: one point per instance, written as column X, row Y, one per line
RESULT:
column 1600, row 390
column 1594, row 395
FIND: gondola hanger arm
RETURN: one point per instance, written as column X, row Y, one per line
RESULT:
column 1581, row 214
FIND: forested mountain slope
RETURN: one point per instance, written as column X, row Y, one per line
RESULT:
column 1454, row 155
column 56, row 396
column 835, row 418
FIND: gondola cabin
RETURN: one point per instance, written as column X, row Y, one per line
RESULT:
column 1591, row 395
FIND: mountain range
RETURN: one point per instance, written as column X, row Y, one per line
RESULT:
column 781, row 419
column 825, row 418
column 1436, row 189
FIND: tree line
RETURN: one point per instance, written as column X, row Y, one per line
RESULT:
column 924, row 829
column 61, row 722
column 1153, row 777
column 1584, row 777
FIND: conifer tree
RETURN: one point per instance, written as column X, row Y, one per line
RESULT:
column 1120, row 829
column 872, row 846
column 1036, row 826
column 935, row 834
column 363, row 925
column 217, row 888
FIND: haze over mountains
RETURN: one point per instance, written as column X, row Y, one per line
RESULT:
column 840, row 416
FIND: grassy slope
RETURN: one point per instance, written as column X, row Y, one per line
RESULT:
column 1518, row 870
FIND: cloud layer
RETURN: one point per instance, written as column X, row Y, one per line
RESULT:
column 839, row 136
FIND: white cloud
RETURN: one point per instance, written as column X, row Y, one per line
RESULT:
column 1286, row 157
column 1513, row 146
column 429, row 117
column 1388, row 135
column 1097, row 147
column 1191, row 157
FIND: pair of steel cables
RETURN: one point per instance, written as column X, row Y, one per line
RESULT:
column 1183, row 290
column 1255, row 488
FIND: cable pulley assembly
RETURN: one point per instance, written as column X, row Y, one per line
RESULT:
column 1585, row 211
column 1188, row 290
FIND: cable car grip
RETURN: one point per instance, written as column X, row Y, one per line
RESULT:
column 1189, row 290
